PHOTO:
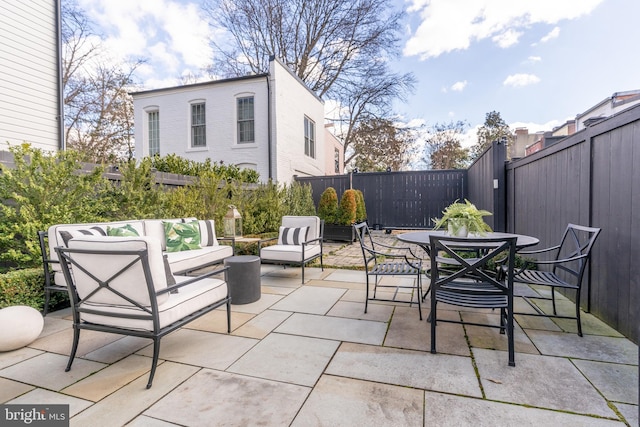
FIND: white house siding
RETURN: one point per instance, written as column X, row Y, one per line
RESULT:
column 174, row 107
column 291, row 102
column 29, row 100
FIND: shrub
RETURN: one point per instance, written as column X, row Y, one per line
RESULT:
column 328, row 206
column 25, row 287
column 298, row 199
column 347, row 211
column 361, row 210
column 44, row 189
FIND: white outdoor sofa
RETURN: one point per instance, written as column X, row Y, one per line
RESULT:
column 210, row 251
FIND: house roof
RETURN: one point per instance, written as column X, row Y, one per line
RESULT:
column 202, row 84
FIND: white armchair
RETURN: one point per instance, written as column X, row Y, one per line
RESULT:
column 299, row 242
column 123, row 285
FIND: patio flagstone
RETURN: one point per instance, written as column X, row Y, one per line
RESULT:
column 210, row 350
column 616, row 382
column 589, row 347
column 334, row 328
column 310, row 299
column 120, row 407
column 337, row 401
column 287, row 358
column 407, row 332
column 47, row 371
column 76, row 405
column 110, row 379
column 355, row 310
column 446, row 373
column 558, row 383
column 262, row 324
column 449, row 410
column 213, row 397
column 10, row 389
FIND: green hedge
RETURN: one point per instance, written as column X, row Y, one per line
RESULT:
column 26, row 287
column 42, row 189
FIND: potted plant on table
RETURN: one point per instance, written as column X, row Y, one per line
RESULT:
column 462, row 219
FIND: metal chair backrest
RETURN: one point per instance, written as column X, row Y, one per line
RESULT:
column 576, row 244
column 366, row 242
column 472, row 272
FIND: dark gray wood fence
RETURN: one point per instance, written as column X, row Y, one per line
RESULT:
column 590, row 178
column 397, row 200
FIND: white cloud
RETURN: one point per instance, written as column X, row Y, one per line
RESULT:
column 553, row 34
column 459, row 86
column 534, row 59
column 507, row 39
column 169, row 34
column 447, row 26
column 520, row 80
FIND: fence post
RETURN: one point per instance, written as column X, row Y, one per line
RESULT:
column 499, row 157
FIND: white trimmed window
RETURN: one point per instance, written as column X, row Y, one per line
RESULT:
column 309, row 137
column 246, row 126
column 336, row 159
column 198, row 125
column 154, row 132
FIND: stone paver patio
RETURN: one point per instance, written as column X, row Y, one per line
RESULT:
column 308, row 355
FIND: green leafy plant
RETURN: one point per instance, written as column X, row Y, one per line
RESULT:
column 458, row 215
column 25, row 287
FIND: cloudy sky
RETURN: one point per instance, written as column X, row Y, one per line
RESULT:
column 537, row 62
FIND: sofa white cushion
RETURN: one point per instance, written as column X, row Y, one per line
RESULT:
column 191, row 298
column 291, row 253
column 184, row 261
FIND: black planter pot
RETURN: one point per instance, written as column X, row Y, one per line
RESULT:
column 339, row 233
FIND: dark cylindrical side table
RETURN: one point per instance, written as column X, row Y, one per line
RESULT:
column 243, row 278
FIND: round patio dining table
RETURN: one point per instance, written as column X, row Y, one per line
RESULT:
column 421, row 238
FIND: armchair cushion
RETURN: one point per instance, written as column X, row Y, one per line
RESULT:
column 182, row 236
column 289, row 253
column 292, row 235
column 208, row 233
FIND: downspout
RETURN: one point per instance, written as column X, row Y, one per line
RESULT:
column 61, row 142
column 269, row 124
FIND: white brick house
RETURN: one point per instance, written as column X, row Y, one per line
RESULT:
column 271, row 123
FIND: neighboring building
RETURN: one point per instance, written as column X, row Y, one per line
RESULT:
column 30, row 74
column 334, row 152
column 270, row 122
column 522, row 140
column 539, row 140
column 617, row 102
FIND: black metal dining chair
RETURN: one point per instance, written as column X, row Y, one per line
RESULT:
column 385, row 260
column 565, row 271
column 473, row 282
